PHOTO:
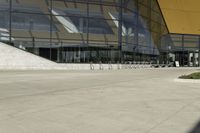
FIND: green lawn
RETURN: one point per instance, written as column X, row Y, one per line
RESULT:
column 191, row 76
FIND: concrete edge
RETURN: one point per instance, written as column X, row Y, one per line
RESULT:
column 187, row 80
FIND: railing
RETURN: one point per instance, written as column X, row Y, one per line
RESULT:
column 127, row 65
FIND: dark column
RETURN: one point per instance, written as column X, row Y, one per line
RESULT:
column 87, row 39
column 149, row 21
column 120, row 30
column 61, row 51
column 51, row 25
column 33, row 43
column 199, row 52
column 136, row 30
column 10, row 21
column 182, row 56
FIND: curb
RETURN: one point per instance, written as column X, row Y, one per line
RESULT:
column 187, row 80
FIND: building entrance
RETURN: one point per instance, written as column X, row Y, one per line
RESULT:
column 187, row 58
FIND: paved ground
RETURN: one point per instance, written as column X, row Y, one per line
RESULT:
column 125, row 101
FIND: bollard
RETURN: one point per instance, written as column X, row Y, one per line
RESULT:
column 91, row 66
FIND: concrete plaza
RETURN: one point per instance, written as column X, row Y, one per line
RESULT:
column 118, row 101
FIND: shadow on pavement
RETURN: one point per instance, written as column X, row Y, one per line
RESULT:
column 196, row 129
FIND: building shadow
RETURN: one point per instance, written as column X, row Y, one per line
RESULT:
column 196, row 128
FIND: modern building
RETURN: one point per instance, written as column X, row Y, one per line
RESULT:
column 183, row 40
column 103, row 31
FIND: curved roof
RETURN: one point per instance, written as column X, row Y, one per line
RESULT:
column 181, row 16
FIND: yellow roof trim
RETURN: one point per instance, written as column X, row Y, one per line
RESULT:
column 181, row 16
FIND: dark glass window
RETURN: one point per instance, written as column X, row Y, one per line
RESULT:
column 25, row 19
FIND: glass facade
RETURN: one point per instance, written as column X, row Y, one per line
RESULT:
column 83, row 31
column 181, row 47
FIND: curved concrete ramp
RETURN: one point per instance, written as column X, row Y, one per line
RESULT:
column 13, row 58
